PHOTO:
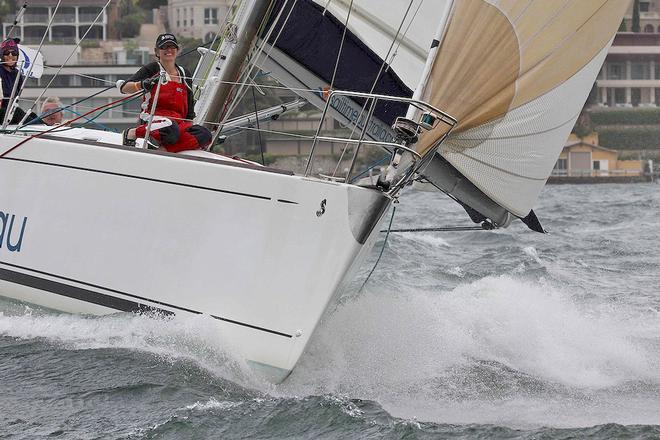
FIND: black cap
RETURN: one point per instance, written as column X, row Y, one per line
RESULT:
column 163, row 39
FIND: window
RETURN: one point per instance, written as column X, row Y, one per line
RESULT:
column 643, row 6
column 616, row 71
column 562, row 164
column 131, row 108
column 185, row 17
column 210, row 16
column 596, row 164
column 635, row 96
column 192, row 18
column 87, row 14
column 620, row 96
column 649, row 29
column 178, row 17
column 87, row 81
column 59, row 81
column 640, row 70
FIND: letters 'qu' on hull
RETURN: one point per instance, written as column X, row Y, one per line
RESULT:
column 94, row 228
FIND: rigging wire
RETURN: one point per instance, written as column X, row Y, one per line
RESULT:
column 247, row 72
column 442, row 229
column 256, row 117
column 325, row 8
column 341, row 44
column 67, row 123
column 68, row 107
column 373, row 86
column 64, row 63
column 485, row 226
column 10, row 106
column 221, row 31
column 403, row 36
column 19, row 16
column 382, row 249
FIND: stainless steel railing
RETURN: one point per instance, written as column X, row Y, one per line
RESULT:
column 371, row 100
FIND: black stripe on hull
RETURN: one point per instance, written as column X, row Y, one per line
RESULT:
column 105, row 300
column 78, row 293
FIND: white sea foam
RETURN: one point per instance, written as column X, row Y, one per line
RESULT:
column 212, row 404
column 430, row 239
column 425, row 352
column 194, row 338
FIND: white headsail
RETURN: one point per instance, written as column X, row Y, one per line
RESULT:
column 516, row 73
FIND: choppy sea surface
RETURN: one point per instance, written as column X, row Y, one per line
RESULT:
column 504, row 334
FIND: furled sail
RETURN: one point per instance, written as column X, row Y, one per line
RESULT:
column 308, row 43
column 515, row 74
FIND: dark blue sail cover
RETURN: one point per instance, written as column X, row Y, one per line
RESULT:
column 313, row 39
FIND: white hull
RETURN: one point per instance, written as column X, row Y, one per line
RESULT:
column 108, row 228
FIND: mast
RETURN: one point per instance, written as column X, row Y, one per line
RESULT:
column 239, row 37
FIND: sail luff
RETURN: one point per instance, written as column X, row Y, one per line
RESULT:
column 430, row 60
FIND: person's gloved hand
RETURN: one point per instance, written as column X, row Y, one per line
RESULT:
column 120, row 83
column 148, row 83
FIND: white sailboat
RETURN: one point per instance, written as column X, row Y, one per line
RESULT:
column 90, row 226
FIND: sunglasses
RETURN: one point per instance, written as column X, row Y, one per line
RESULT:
column 169, row 46
column 10, row 52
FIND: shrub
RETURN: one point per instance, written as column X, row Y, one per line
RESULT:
column 642, row 116
column 129, row 26
column 645, row 137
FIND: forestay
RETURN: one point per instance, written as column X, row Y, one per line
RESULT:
column 516, row 73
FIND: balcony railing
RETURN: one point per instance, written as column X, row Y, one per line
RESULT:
column 88, row 17
column 595, row 173
column 64, row 18
column 35, row 18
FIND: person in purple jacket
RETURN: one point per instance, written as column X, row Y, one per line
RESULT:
column 9, row 74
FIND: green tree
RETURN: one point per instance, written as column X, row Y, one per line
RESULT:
column 132, row 17
column 623, row 27
column 129, row 26
column 635, row 17
column 148, row 5
column 583, row 126
column 6, row 8
column 188, row 55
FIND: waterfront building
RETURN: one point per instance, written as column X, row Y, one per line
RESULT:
column 89, row 67
column 584, row 157
column 196, row 18
column 630, row 76
column 72, row 20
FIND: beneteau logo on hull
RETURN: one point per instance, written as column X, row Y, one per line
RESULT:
column 10, row 238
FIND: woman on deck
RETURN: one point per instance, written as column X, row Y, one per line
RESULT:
column 171, row 128
column 9, row 74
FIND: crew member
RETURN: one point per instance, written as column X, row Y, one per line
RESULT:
column 51, row 111
column 171, row 128
column 9, row 74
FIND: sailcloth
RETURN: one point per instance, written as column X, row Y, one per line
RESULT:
column 515, row 74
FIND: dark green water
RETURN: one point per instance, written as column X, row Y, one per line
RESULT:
column 505, row 334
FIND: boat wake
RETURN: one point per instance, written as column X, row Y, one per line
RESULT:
column 171, row 339
column 499, row 350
